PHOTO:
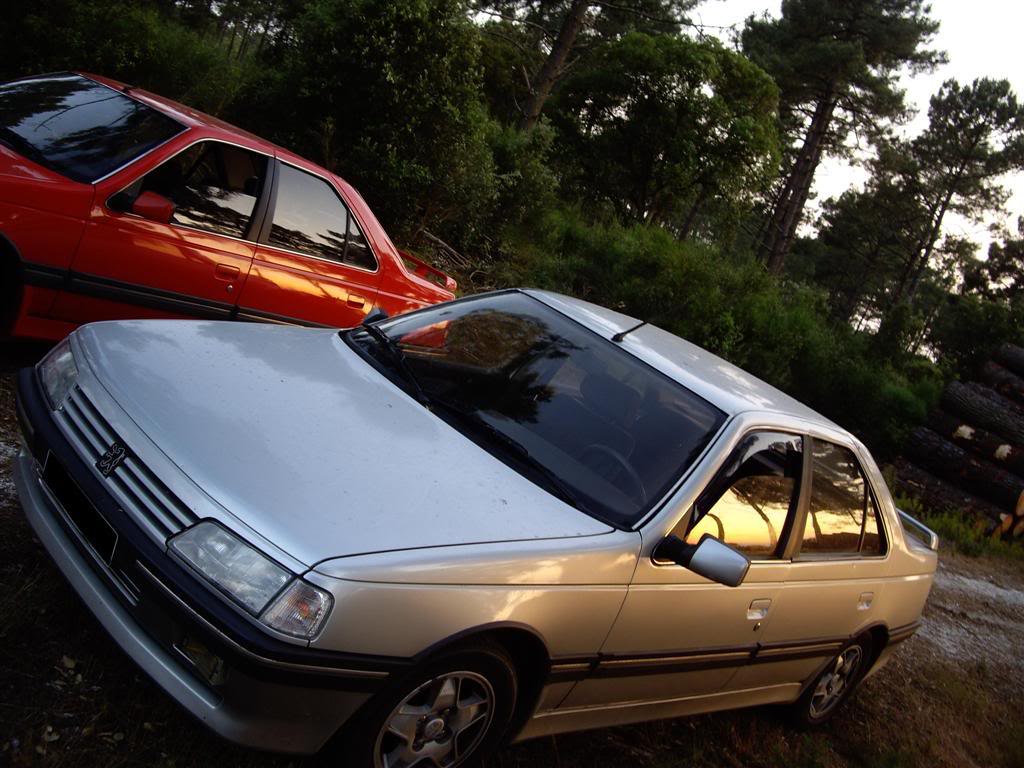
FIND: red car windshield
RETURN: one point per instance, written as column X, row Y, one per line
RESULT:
column 78, row 127
column 567, row 408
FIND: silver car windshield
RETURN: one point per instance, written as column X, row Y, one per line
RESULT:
column 567, row 408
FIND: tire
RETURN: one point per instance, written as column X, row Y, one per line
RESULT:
column 834, row 684
column 10, row 292
column 454, row 708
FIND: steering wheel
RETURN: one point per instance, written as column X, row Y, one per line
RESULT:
column 612, row 465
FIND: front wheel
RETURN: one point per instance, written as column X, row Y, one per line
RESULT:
column 834, row 684
column 449, row 713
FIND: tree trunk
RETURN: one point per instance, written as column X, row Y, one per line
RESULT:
column 982, row 411
column 938, row 496
column 1012, row 357
column 1004, row 382
column 934, row 231
column 1011, row 409
column 691, row 216
column 554, row 64
column 790, row 205
column 979, row 441
column 998, row 486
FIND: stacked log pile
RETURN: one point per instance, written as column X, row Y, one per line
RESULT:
column 970, row 456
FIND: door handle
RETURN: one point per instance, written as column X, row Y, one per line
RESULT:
column 355, row 301
column 758, row 609
column 226, row 271
column 865, row 600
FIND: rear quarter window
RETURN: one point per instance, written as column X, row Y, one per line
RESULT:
column 842, row 518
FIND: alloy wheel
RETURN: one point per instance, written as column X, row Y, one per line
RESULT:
column 438, row 725
column 835, row 681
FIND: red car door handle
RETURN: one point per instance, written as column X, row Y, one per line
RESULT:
column 356, row 301
column 226, row 271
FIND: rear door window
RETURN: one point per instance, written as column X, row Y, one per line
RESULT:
column 752, row 499
column 842, row 518
column 214, row 187
column 78, row 127
column 311, row 219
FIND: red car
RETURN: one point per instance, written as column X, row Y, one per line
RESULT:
column 117, row 203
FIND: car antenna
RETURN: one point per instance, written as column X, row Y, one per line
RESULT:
column 618, row 337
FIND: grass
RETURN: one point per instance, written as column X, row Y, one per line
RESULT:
column 959, row 534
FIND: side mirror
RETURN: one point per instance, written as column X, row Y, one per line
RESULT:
column 150, row 205
column 709, row 557
column 376, row 315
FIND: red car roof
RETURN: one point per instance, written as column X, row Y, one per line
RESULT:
column 217, row 128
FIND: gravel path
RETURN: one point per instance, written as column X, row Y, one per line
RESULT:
column 975, row 614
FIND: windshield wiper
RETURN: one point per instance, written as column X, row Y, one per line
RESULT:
column 401, row 363
column 554, row 483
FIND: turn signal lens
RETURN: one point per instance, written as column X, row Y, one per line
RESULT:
column 300, row 610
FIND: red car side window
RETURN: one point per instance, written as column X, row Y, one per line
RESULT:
column 213, row 186
column 309, row 218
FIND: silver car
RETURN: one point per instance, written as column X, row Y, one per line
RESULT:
column 507, row 516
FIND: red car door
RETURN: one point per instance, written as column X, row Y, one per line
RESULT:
column 313, row 263
column 174, row 242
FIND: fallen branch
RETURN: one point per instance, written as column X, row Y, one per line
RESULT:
column 454, row 256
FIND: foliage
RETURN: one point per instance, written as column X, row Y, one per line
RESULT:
column 137, row 43
column 778, row 331
column 836, row 64
column 388, row 94
column 660, row 163
column 679, row 124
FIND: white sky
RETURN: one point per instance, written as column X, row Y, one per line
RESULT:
column 982, row 38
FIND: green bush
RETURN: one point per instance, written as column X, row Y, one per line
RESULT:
column 135, row 43
column 779, row 331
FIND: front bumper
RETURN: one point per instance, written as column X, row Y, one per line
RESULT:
column 265, row 694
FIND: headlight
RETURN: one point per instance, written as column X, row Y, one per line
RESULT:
column 253, row 580
column 58, row 372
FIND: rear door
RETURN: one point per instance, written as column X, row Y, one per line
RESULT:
column 313, row 264
column 837, row 576
column 192, row 265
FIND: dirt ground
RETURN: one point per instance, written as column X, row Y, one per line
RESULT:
column 953, row 695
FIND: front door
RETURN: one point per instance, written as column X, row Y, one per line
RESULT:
column 679, row 635
column 192, row 265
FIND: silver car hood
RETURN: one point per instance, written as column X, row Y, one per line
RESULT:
column 302, row 440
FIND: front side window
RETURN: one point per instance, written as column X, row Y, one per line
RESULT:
column 310, row 218
column 751, row 500
column 214, row 187
column 566, row 408
column 78, row 127
column 842, row 518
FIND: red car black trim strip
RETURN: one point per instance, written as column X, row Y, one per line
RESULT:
column 44, row 276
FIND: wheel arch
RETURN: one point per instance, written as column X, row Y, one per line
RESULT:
column 879, row 634
column 525, row 646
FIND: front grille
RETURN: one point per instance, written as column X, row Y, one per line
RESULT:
column 141, row 493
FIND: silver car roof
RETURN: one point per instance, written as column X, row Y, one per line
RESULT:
column 716, row 380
